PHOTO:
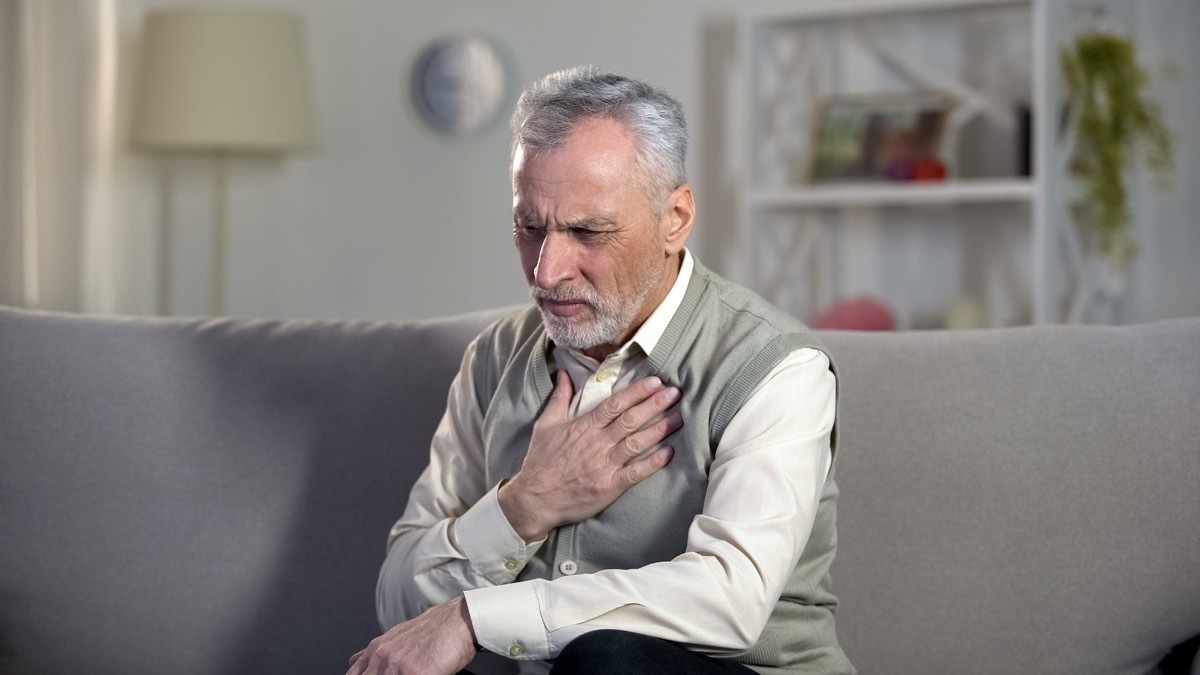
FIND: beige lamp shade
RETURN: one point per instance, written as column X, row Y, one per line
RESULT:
column 224, row 79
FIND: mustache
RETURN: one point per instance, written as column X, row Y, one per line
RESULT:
column 562, row 293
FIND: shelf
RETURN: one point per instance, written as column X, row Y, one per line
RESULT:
column 919, row 247
column 817, row 10
column 896, row 194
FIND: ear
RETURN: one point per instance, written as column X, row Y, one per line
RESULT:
column 678, row 219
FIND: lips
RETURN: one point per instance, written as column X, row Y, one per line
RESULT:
column 563, row 308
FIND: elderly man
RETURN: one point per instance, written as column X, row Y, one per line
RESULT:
column 634, row 475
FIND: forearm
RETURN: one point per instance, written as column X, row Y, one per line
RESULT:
column 709, row 604
column 421, row 570
column 452, row 535
column 431, row 562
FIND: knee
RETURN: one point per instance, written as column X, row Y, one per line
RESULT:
column 597, row 652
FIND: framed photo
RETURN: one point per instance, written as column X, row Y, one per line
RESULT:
column 887, row 137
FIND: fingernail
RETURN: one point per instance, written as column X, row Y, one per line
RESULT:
column 653, row 383
column 673, row 394
column 665, row 454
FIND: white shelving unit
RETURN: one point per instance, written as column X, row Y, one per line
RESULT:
column 892, row 194
column 988, row 232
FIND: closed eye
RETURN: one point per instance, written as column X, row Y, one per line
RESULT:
column 528, row 232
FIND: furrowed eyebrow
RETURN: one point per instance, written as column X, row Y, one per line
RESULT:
column 592, row 223
column 527, row 219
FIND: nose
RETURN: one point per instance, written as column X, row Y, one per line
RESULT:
column 556, row 261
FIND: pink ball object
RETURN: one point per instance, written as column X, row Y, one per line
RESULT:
column 862, row 313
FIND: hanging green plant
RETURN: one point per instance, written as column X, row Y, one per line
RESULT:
column 1115, row 119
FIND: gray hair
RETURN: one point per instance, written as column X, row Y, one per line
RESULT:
column 548, row 111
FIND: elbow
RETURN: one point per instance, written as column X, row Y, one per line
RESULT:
column 736, row 636
column 745, row 632
column 745, row 605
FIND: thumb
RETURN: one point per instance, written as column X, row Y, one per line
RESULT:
column 559, row 406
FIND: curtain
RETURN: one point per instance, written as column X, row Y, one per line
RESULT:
column 11, row 237
column 59, row 162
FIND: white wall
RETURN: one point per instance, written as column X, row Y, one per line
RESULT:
column 1166, row 279
column 385, row 219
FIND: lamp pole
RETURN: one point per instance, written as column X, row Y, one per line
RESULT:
column 220, row 236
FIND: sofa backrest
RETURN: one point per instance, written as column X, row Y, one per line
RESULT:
column 213, row 496
column 1022, row 500
column 205, row 496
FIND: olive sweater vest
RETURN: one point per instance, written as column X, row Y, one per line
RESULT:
column 722, row 341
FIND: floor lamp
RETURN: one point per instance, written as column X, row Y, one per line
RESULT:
column 221, row 82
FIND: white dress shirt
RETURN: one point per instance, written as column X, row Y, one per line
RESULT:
column 765, row 483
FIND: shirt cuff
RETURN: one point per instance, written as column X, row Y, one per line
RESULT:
column 508, row 621
column 488, row 540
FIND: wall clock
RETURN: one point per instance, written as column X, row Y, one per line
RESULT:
column 459, row 85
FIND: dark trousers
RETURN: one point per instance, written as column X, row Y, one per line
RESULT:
column 616, row 652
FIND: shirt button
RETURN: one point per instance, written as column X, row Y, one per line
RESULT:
column 568, row 567
column 603, row 375
column 510, row 564
column 516, row 650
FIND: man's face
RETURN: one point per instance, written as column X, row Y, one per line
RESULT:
column 592, row 248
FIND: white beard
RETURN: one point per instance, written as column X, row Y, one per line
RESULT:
column 611, row 317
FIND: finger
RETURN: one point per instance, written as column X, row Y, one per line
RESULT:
column 643, row 415
column 559, row 406
column 641, row 469
column 612, row 407
column 636, row 445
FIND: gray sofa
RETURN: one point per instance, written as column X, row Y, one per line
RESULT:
column 203, row 497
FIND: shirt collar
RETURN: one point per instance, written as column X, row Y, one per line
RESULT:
column 648, row 335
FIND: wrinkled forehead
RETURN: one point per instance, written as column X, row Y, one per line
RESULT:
column 601, row 151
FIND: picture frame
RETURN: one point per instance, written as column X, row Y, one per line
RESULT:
column 879, row 137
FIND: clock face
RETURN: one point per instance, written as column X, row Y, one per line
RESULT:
column 458, row 85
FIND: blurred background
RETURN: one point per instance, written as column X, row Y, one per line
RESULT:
column 949, row 195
